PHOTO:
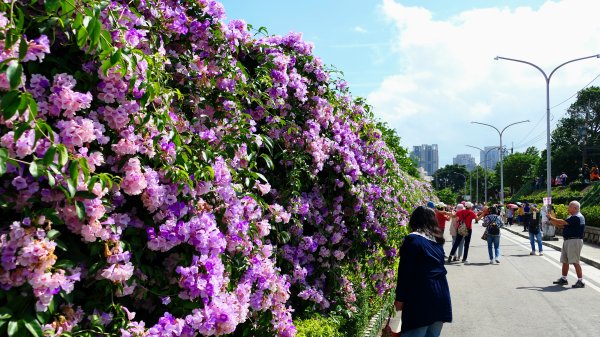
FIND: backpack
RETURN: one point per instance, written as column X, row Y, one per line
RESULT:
column 462, row 229
column 534, row 227
column 493, row 228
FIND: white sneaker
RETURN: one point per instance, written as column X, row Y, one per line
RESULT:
column 497, row 260
column 491, row 261
column 465, row 261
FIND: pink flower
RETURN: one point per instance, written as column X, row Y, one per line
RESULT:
column 37, row 49
column 134, row 181
column 118, row 272
column 263, row 188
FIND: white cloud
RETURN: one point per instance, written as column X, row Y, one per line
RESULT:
column 360, row 29
column 449, row 76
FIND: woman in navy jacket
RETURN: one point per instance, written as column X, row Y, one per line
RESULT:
column 422, row 291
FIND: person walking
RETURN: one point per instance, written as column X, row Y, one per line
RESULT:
column 422, row 292
column 535, row 232
column 509, row 215
column 453, row 232
column 492, row 222
column 466, row 216
column 573, row 229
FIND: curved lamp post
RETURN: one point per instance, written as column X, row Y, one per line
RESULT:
column 484, row 168
column 501, row 166
column 547, row 77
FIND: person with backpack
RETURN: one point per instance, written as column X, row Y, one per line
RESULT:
column 454, row 233
column 492, row 224
column 465, row 219
column 535, row 233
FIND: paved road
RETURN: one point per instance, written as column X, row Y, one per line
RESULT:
column 517, row 297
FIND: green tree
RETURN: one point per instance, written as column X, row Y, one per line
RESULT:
column 391, row 138
column 451, row 176
column 585, row 116
column 519, row 168
column 447, row 196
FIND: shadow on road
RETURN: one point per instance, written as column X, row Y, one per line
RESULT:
column 549, row 289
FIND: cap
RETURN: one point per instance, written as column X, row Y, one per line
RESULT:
column 468, row 204
column 430, row 204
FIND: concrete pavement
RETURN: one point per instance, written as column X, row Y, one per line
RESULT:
column 590, row 253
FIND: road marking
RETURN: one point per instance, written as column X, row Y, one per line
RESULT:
column 552, row 261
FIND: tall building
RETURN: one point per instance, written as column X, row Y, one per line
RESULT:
column 426, row 156
column 466, row 160
column 493, row 157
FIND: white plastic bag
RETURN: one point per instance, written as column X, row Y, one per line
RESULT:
column 395, row 321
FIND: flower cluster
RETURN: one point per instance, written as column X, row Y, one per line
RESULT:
column 211, row 181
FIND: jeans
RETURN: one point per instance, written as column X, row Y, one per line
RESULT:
column 533, row 238
column 432, row 330
column 461, row 245
column 459, row 239
column 495, row 240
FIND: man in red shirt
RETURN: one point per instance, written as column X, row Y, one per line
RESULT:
column 467, row 216
column 442, row 216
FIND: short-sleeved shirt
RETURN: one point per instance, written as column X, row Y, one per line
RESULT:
column 575, row 226
column 441, row 218
column 467, row 216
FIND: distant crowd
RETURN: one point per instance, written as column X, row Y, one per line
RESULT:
column 422, row 297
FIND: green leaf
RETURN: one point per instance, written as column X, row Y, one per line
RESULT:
column 84, row 167
column 268, row 160
column 13, row 328
column 20, row 130
column 71, row 188
column 82, row 36
column 34, row 327
column 10, row 103
column 5, row 313
column 52, row 5
column 23, row 46
column 53, row 233
column 33, row 107
column 63, row 155
column 67, row 6
column 34, row 169
column 74, row 172
column 94, row 30
column 51, row 179
column 86, row 195
column 80, row 210
column 3, row 159
column 13, row 73
column 49, row 155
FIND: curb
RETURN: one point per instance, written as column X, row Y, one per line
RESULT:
column 552, row 245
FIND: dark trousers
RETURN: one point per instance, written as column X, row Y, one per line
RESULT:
column 459, row 238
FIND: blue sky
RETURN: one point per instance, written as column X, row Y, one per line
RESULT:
column 427, row 67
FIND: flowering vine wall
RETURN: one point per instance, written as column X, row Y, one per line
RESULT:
column 165, row 173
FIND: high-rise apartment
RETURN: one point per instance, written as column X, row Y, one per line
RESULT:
column 466, row 160
column 493, row 157
column 426, row 156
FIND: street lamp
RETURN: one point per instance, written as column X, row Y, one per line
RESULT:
column 484, row 167
column 548, row 157
column 501, row 165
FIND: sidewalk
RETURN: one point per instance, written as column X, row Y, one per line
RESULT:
column 590, row 253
